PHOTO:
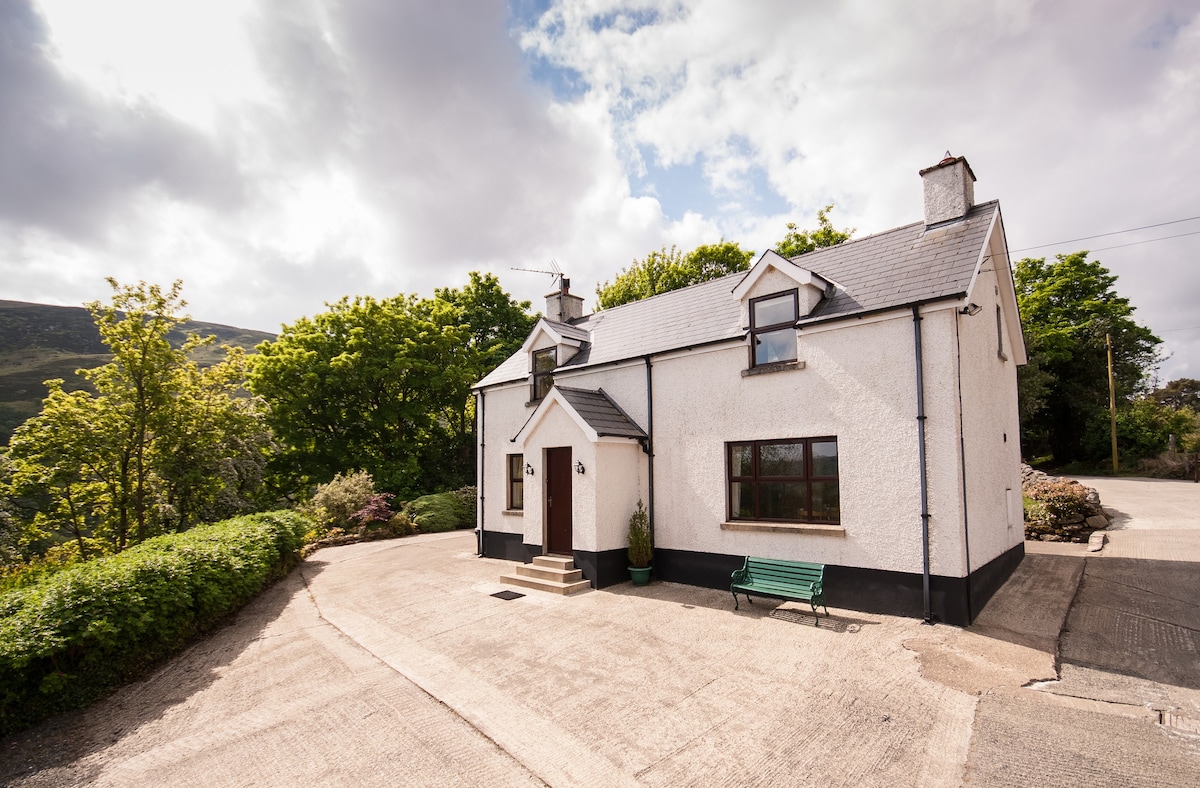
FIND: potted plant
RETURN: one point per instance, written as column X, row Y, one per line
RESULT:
column 640, row 548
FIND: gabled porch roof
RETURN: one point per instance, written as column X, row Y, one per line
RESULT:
column 596, row 414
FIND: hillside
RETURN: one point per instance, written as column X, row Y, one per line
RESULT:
column 39, row 342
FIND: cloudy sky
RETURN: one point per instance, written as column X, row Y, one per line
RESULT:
column 276, row 156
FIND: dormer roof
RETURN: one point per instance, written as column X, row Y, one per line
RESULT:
column 772, row 261
column 558, row 333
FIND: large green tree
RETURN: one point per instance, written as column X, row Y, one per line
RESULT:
column 152, row 450
column 1068, row 307
column 796, row 241
column 665, row 270
column 384, row 385
column 1180, row 393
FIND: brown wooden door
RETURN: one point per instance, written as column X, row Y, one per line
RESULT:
column 558, row 501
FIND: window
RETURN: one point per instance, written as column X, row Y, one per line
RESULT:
column 544, row 362
column 773, row 328
column 516, row 481
column 793, row 480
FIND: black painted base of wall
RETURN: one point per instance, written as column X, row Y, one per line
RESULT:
column 952, row 600
column 604, row 568
column 601, row 569
column 506, row 547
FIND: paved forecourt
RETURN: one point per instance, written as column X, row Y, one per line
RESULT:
column 392, row 663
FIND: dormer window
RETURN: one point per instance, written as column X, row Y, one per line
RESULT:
column 773, row 327
column 544, row 362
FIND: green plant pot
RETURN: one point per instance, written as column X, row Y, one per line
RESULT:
column 640, row 575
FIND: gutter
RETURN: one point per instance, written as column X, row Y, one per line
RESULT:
column 916, row 313
column 799, row 326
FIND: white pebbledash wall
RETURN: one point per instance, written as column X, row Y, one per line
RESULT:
column 858, row 384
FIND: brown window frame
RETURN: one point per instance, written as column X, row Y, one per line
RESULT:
column 515, row 476
column 544, row 377
column 756, row 329
column 757, row 479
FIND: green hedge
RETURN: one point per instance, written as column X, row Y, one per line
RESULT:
column 69, row 639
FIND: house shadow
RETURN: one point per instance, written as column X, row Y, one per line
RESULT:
column 688, row 597
column 1129, row 616
column 1137, row 617
column 54, row 747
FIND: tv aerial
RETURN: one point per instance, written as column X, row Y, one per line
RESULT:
column 555, row 273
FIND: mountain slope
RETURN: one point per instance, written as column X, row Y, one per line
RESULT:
column 39, row 342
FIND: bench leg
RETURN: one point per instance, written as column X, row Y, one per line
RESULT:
column 735, row 602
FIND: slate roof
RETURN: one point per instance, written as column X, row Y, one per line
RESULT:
column 888, row 270
column 601, row 413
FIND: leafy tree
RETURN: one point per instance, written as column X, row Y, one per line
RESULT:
column 141, row 455
column 797, row 242
column 384, row 385
column 663, row 271
column 1068, row 306
column 1144, row 428
column 1181, row 393
column 10, row 528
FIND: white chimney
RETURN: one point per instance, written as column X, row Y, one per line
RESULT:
column 949, row 190
column 561, row 306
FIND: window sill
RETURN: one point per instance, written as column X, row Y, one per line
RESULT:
column 513, row 512
column 766, row 369
column 821, row 529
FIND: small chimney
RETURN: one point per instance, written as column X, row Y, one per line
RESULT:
column 949, row 190
column 561, row 306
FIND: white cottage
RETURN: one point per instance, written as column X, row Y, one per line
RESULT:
column 855, row 406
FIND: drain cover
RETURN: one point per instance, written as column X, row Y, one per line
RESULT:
column 506, row 595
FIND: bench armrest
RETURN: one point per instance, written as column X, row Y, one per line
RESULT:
column 739, row 575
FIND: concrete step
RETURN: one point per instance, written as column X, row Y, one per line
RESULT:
column 554, row 561
column 540, row 584
column 550, row 573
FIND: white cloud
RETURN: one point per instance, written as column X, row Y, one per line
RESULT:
column 278, row 156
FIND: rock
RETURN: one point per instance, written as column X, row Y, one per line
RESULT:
column 1097, row 522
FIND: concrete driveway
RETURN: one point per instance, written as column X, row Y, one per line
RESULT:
column 391, row 663
column 1148, row 504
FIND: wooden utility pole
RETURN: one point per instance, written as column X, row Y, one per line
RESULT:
column 1112, row 401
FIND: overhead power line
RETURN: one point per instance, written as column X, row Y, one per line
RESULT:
column 1117, row 232
column 1135, row 243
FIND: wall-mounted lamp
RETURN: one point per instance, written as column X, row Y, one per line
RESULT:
column 970, row 309
column 578, row 467
column 528, row 469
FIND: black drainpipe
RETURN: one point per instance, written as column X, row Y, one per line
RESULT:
column 650, row 439
column 479, row 465
column 962, row 450
column 916, row 310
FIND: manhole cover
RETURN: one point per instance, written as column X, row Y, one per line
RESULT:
column 507, row 595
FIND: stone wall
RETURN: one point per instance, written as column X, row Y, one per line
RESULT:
column 1074, row 527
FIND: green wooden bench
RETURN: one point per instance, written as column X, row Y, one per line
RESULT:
column 778, row 579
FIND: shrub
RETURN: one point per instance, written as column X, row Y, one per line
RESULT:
column 437, row 513
column 378, row 509
column 467, row 499
column 67, row 639
column 1065, row 499
column 334, row 505
column 640, row 546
